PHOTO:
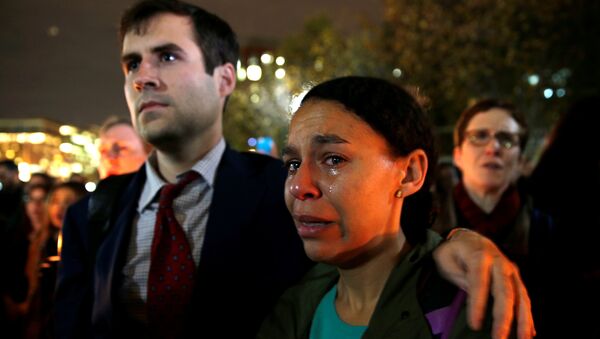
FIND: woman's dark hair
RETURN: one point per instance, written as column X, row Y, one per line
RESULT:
column 395, row 114
column 486, row 105
column 214, row 36
column 76, row 187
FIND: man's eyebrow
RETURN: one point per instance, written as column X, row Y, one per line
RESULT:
column 125, row 58
column 168, row 47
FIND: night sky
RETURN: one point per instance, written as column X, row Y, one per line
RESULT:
column 59, row 59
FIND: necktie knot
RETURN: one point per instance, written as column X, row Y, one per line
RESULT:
column 169, row 192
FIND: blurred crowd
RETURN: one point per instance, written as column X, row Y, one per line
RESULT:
column 485, row 185
column 31, row 217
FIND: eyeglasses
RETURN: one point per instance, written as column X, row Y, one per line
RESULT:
column 481, row 137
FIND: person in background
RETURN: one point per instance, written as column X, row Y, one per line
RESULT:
column 565, row 183
column 121, row 149
column 221, row 212
column 41, row 178
column 78, row 178
column 13, row 248
column 11, row 193
column 60, row 197
column 357, row 156
column 36, row 224
column 445, row 179
column 489, row 139
column 36, row 207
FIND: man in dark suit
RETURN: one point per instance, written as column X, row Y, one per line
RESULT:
column 178, row 62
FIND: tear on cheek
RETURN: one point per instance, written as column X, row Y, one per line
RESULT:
column 333, row 172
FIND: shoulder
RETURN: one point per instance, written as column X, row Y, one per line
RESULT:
column 250, row 162
column 256, row 167
column 108, row 190
column 313, row 285
column 79, row 209
column 114, row 182
column 292, row 316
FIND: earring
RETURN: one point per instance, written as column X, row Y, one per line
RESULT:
column 399, row 193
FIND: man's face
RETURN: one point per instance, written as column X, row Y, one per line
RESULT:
column 121, row 151
column 170, row 96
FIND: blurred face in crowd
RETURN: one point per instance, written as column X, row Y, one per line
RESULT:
column 341, row 184
column 58, row 203
column 121, row 151
column 171, row 98
column 490, row 156
column 9, row 179
column 36, row 207
column 40, row 179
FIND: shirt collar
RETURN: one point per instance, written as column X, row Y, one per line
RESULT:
column 206, row 167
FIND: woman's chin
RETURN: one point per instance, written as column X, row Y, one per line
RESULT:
column 317, row 252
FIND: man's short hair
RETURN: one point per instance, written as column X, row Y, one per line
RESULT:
column 112, row 121
column 214, row 36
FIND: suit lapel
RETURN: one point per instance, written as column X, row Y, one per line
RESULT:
column 113, row 250
column 235, row 198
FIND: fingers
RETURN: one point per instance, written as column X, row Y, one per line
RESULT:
column 503, row 291
column 450, row 265
column 526, row 327
column 471, row 261
column 478, row 277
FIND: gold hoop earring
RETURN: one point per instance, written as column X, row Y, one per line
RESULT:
column 398, row 193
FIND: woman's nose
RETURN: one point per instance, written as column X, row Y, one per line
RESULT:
column 302, row 185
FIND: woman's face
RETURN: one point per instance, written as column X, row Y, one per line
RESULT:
column 489, row 167
column 341, row 183
column 60, row 199
column 36, row 207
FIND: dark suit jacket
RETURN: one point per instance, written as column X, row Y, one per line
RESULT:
column 251, row 253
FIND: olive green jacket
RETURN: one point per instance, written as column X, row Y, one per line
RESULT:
column 398, row 313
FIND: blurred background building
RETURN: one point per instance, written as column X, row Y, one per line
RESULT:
column 42, row 145
column 60, row 63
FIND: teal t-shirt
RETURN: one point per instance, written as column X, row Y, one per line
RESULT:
column 327, row 324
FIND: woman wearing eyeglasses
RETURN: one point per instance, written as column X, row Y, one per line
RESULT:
column 489, row 139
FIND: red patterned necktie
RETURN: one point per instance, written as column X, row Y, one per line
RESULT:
column 172, row 268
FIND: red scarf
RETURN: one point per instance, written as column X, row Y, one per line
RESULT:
column 494, row 225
